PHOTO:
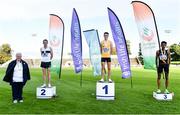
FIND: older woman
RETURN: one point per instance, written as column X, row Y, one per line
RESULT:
column 17, row 74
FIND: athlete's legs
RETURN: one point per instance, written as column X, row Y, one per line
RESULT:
column 109, row 70
column 167, row 81
column 49, row 75
column 44, row 75
column 102, row 69
column 158, row 80
column 166, row 70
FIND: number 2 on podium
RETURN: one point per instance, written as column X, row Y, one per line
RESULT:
column 43, row 92
column 106, row 89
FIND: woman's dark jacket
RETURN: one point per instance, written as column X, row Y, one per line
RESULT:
column 10, row 70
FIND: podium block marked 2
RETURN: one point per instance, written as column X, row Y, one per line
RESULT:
column 45, row 93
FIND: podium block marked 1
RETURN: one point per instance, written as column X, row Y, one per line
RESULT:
column 105, row 91
column 162, row 96
column 45, row 93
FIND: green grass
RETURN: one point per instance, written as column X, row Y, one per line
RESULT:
column 81, row 100
column 175, row 62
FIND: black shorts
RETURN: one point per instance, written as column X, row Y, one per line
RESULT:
column 105, row 59
column 162, row 67
column 45, row 64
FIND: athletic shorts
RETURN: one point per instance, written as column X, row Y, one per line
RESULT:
column 45, row 64
column 105, row 59
column 162, row 67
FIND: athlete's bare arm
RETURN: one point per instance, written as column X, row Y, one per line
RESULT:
column 157, row 55
column 51, row 52
column 169, row 57
column 111, row 46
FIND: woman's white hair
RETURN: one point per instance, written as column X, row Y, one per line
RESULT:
column 18, row 53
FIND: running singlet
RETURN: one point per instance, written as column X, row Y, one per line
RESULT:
column 45, row 54
column 106, row 46
column 163, row 57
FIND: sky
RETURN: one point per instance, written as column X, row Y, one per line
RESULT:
column 25, row 23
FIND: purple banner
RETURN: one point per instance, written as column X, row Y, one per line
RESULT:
column 120, row 42
column 76, row 42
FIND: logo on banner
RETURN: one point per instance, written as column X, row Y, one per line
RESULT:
column 55, row 41
column 147, row 34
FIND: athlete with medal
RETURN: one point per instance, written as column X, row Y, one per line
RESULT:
column 163, row 59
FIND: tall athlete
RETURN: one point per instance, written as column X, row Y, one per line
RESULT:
column 46, row 57
column 163, row 59
column 106, row 51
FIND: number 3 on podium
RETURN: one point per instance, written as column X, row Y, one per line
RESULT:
column 106, row 89
column 165, row 96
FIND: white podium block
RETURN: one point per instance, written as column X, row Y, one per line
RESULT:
column 105, row 91
column 162, row 96
column 45, row 93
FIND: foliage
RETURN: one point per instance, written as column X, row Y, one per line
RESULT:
column 175, row 52
column 5, row 53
